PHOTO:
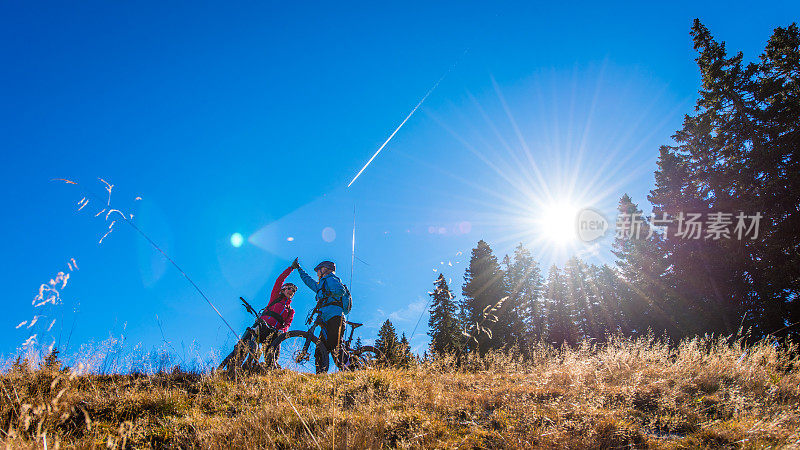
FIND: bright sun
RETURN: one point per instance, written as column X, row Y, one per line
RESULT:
column 557, row 223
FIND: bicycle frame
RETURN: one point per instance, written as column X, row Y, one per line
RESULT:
column 345, row 343
column 311, row 332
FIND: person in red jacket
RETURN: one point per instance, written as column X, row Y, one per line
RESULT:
column 276, row 317
column 279, row 313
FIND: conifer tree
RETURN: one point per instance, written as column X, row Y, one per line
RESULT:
column 609, row 313
column 444, row 331
column 388, row 344
column 405, row 357
column 737, row 154
column 643, row 272
column 525, row 285
column 484, row 287
column 581, row 297
column 560, row 310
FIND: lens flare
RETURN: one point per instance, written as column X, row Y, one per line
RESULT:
column 328, row 234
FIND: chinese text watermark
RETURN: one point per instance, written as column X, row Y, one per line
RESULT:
column 592, row 225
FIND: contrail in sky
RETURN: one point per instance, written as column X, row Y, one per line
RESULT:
column 402, row 123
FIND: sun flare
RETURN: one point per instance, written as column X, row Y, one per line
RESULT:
column 557, row 223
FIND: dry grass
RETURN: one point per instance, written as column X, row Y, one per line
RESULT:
column 641, row 394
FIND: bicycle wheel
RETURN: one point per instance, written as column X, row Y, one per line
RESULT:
column 367, row 357
column 242, row 354
column 295, row 351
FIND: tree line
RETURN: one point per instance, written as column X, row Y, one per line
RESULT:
column 736, row 155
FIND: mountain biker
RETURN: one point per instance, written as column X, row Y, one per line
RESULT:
column 279, row 313
column 328, row 290
column 276, row 317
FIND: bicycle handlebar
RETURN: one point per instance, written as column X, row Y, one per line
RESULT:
column 249, row 308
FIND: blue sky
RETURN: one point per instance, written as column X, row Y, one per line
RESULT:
column 252, row 118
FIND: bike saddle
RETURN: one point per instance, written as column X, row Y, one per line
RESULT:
column 354, row 325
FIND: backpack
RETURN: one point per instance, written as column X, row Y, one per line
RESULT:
column 345, row 301
column 280, row 322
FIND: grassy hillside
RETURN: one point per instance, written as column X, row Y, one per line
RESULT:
column 704, row 393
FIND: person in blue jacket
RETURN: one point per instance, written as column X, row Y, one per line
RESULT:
column 330, row 292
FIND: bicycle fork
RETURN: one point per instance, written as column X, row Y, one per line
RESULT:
column 303, row 355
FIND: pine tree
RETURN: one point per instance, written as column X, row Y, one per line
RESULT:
column 510, row 320
column 358, row 344
column 643, row 271
column 525, row 285
column 406, row 358
column 444, row 328
column 388, row 344
column 738, row 154
column 561, row 312
column 52, row 361
column 578, row 292
column 609, row 314
column 484, row 287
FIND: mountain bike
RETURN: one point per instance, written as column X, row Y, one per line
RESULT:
column 248, row 351
column 294, row 350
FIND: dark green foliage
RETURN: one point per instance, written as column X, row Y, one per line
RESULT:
column 444, row 331
column 643, row 274
column 484, row 286
column 610, row 314
column 51, row 361
column 405, row 358
column 358, row 344
column 525, row 288
column 560, row 310
column 388, row 344
column 738, row 153
column 481, row 330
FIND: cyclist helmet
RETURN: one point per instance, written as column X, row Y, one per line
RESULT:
column 327, row 264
